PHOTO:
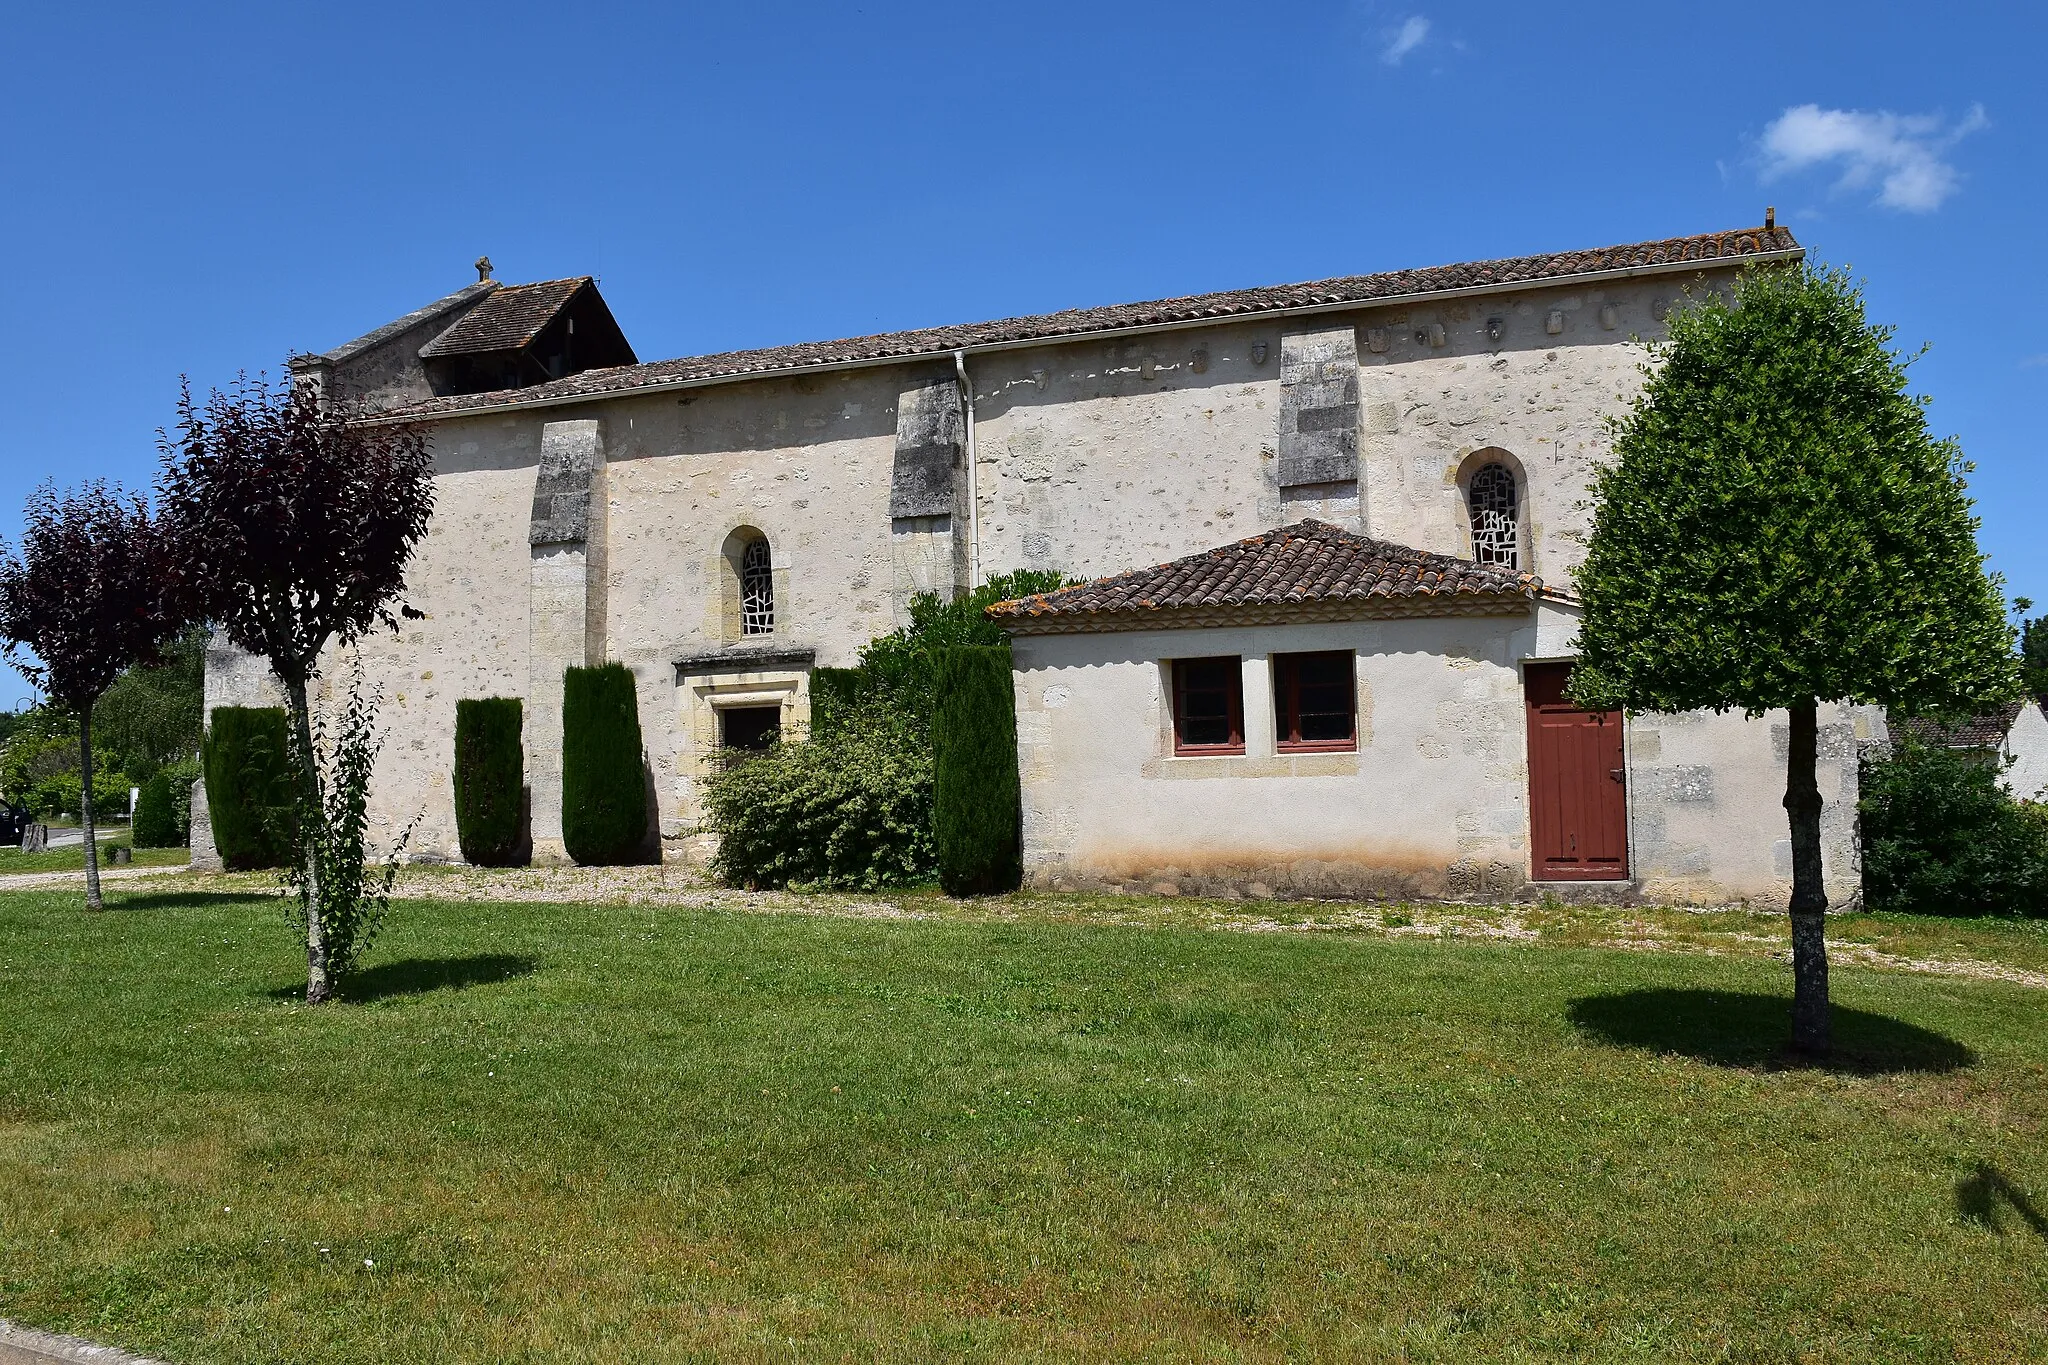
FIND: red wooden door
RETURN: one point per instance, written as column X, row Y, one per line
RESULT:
column 1578, row 794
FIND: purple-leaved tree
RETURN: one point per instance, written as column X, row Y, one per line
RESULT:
column 297, row 516
column 93, row 590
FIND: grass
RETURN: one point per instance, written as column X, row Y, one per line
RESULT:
column 1026, row 1128
column 71, row 858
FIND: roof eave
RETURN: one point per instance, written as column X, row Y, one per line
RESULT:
column 1580, row 279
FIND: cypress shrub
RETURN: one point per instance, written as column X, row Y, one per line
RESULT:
column 836, row 693
column 248, row 785
column 976, row 805
column 489, row 780
column 156, row 815
column 604, row 797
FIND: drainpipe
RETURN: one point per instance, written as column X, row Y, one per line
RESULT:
column 973, row 477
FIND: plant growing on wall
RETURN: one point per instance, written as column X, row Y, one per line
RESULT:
column 975, row 798
column 92, row 591
column 297, row 518
column 489, row 772
column 604, row 793
column 1779, row 529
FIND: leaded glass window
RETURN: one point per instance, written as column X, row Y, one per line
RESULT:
column 1496, row 521
column 757, row 590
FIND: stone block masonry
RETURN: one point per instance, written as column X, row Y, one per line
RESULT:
column 1319, row 407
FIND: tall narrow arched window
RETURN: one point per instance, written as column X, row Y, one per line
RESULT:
column 757, row 589
column 1496, row 516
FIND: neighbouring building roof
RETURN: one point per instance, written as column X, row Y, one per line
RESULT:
column 509, row 319
column 1713, row 248
column 1986, row 731
column 1308, row 571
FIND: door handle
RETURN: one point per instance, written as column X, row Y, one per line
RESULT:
column 1615, row 773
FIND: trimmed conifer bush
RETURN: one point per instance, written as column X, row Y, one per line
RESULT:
column 156, row 815
column 604, row 796
column 489, row 780
column 976, row 806
column 248, row 785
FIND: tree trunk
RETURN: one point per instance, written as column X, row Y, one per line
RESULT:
column 318, row 985
column 1811, row 1028
column 92, row 848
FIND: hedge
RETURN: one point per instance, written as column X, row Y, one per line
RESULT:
column 848, row 809
column 976, row 806
column 489, row 780
column 1942, row 836
column 156, row 815
column 604, row 794
column 248, row 785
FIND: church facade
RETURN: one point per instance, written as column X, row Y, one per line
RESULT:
column 723, row 524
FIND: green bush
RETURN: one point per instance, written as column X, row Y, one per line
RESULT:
column 489, row 780
column 1942, row 837
column 249, row 785
column 604, row 793
column 848, row 809
column 976, row 807
column 901, row 668
column 156, row 814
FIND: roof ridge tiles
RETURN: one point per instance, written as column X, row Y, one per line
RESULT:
column 1725, row 247
column 1298, row 565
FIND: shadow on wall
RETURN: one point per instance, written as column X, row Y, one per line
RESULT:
column 1738, row 1029
column 1979, row 1194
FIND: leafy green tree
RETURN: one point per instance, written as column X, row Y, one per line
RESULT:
column 901, row 668
column 1779, row 529
column 2033, row 649
column 150, row 715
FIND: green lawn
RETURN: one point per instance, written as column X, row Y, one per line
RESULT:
column 589, row 1132
column 71, row 857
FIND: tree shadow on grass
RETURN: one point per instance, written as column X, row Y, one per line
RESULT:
column 186, row 900
column 1742, row 1029
column 1979, row 1194
column 419, row 975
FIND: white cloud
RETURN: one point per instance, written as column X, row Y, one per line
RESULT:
column 1414, row 31
column 1906, row 155
column 2035, row 362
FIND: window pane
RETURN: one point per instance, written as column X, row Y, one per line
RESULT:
column 1207, row 702
column 1313, row 699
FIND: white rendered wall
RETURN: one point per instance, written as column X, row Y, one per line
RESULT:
column 1435, row 801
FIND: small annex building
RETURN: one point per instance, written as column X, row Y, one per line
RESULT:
column 1314, row 712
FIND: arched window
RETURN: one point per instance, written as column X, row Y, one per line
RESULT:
column 757, row 589
column 1496, row 517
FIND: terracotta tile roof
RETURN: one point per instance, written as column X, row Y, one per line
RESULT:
column 507, row 320
column 1986, row 731
column 1718, row 248
column 1310, row 570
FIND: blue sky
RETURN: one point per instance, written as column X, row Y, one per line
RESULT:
column 200, row 189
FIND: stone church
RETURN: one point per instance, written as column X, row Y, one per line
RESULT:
column 1335, row 525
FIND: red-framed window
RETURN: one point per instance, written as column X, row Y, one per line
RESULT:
column 1208, row 706
column 1315, row 702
